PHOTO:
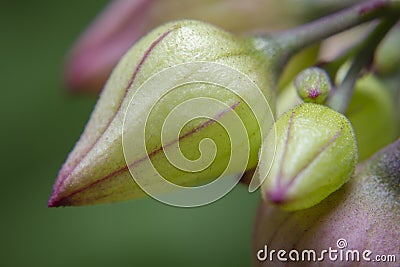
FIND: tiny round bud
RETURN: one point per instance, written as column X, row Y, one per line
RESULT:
column 313, row 85
column 316, row 153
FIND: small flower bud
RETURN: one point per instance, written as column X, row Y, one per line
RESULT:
column 313, row 85
column 316, row 153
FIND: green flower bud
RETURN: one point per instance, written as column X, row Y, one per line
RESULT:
column 316, row 153
column 313, row 85
column 97, row 171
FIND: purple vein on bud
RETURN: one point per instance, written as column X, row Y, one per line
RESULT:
column 64, row 174
column 278, row 195
column 322, row 149
column 64, row 200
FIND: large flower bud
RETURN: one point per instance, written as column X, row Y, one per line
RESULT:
column 96, row 171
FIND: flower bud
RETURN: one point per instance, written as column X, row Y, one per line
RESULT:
column 316, row 153
column 313, row 85
column 97, row 171
column 362, row 215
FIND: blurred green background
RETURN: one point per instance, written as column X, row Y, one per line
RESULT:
column 40, row 124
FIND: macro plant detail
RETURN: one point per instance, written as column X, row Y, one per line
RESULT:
column 309, row 137
column 98, row 160
column 191, row 110
column 313, row 85
column 235, row 111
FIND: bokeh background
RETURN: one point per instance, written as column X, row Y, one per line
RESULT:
column 40, row 122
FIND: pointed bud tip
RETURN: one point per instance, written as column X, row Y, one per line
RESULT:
column 56, row 201
column 277, row 196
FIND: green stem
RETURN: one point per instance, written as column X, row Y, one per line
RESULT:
column 292, row 41
column 342, row 95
